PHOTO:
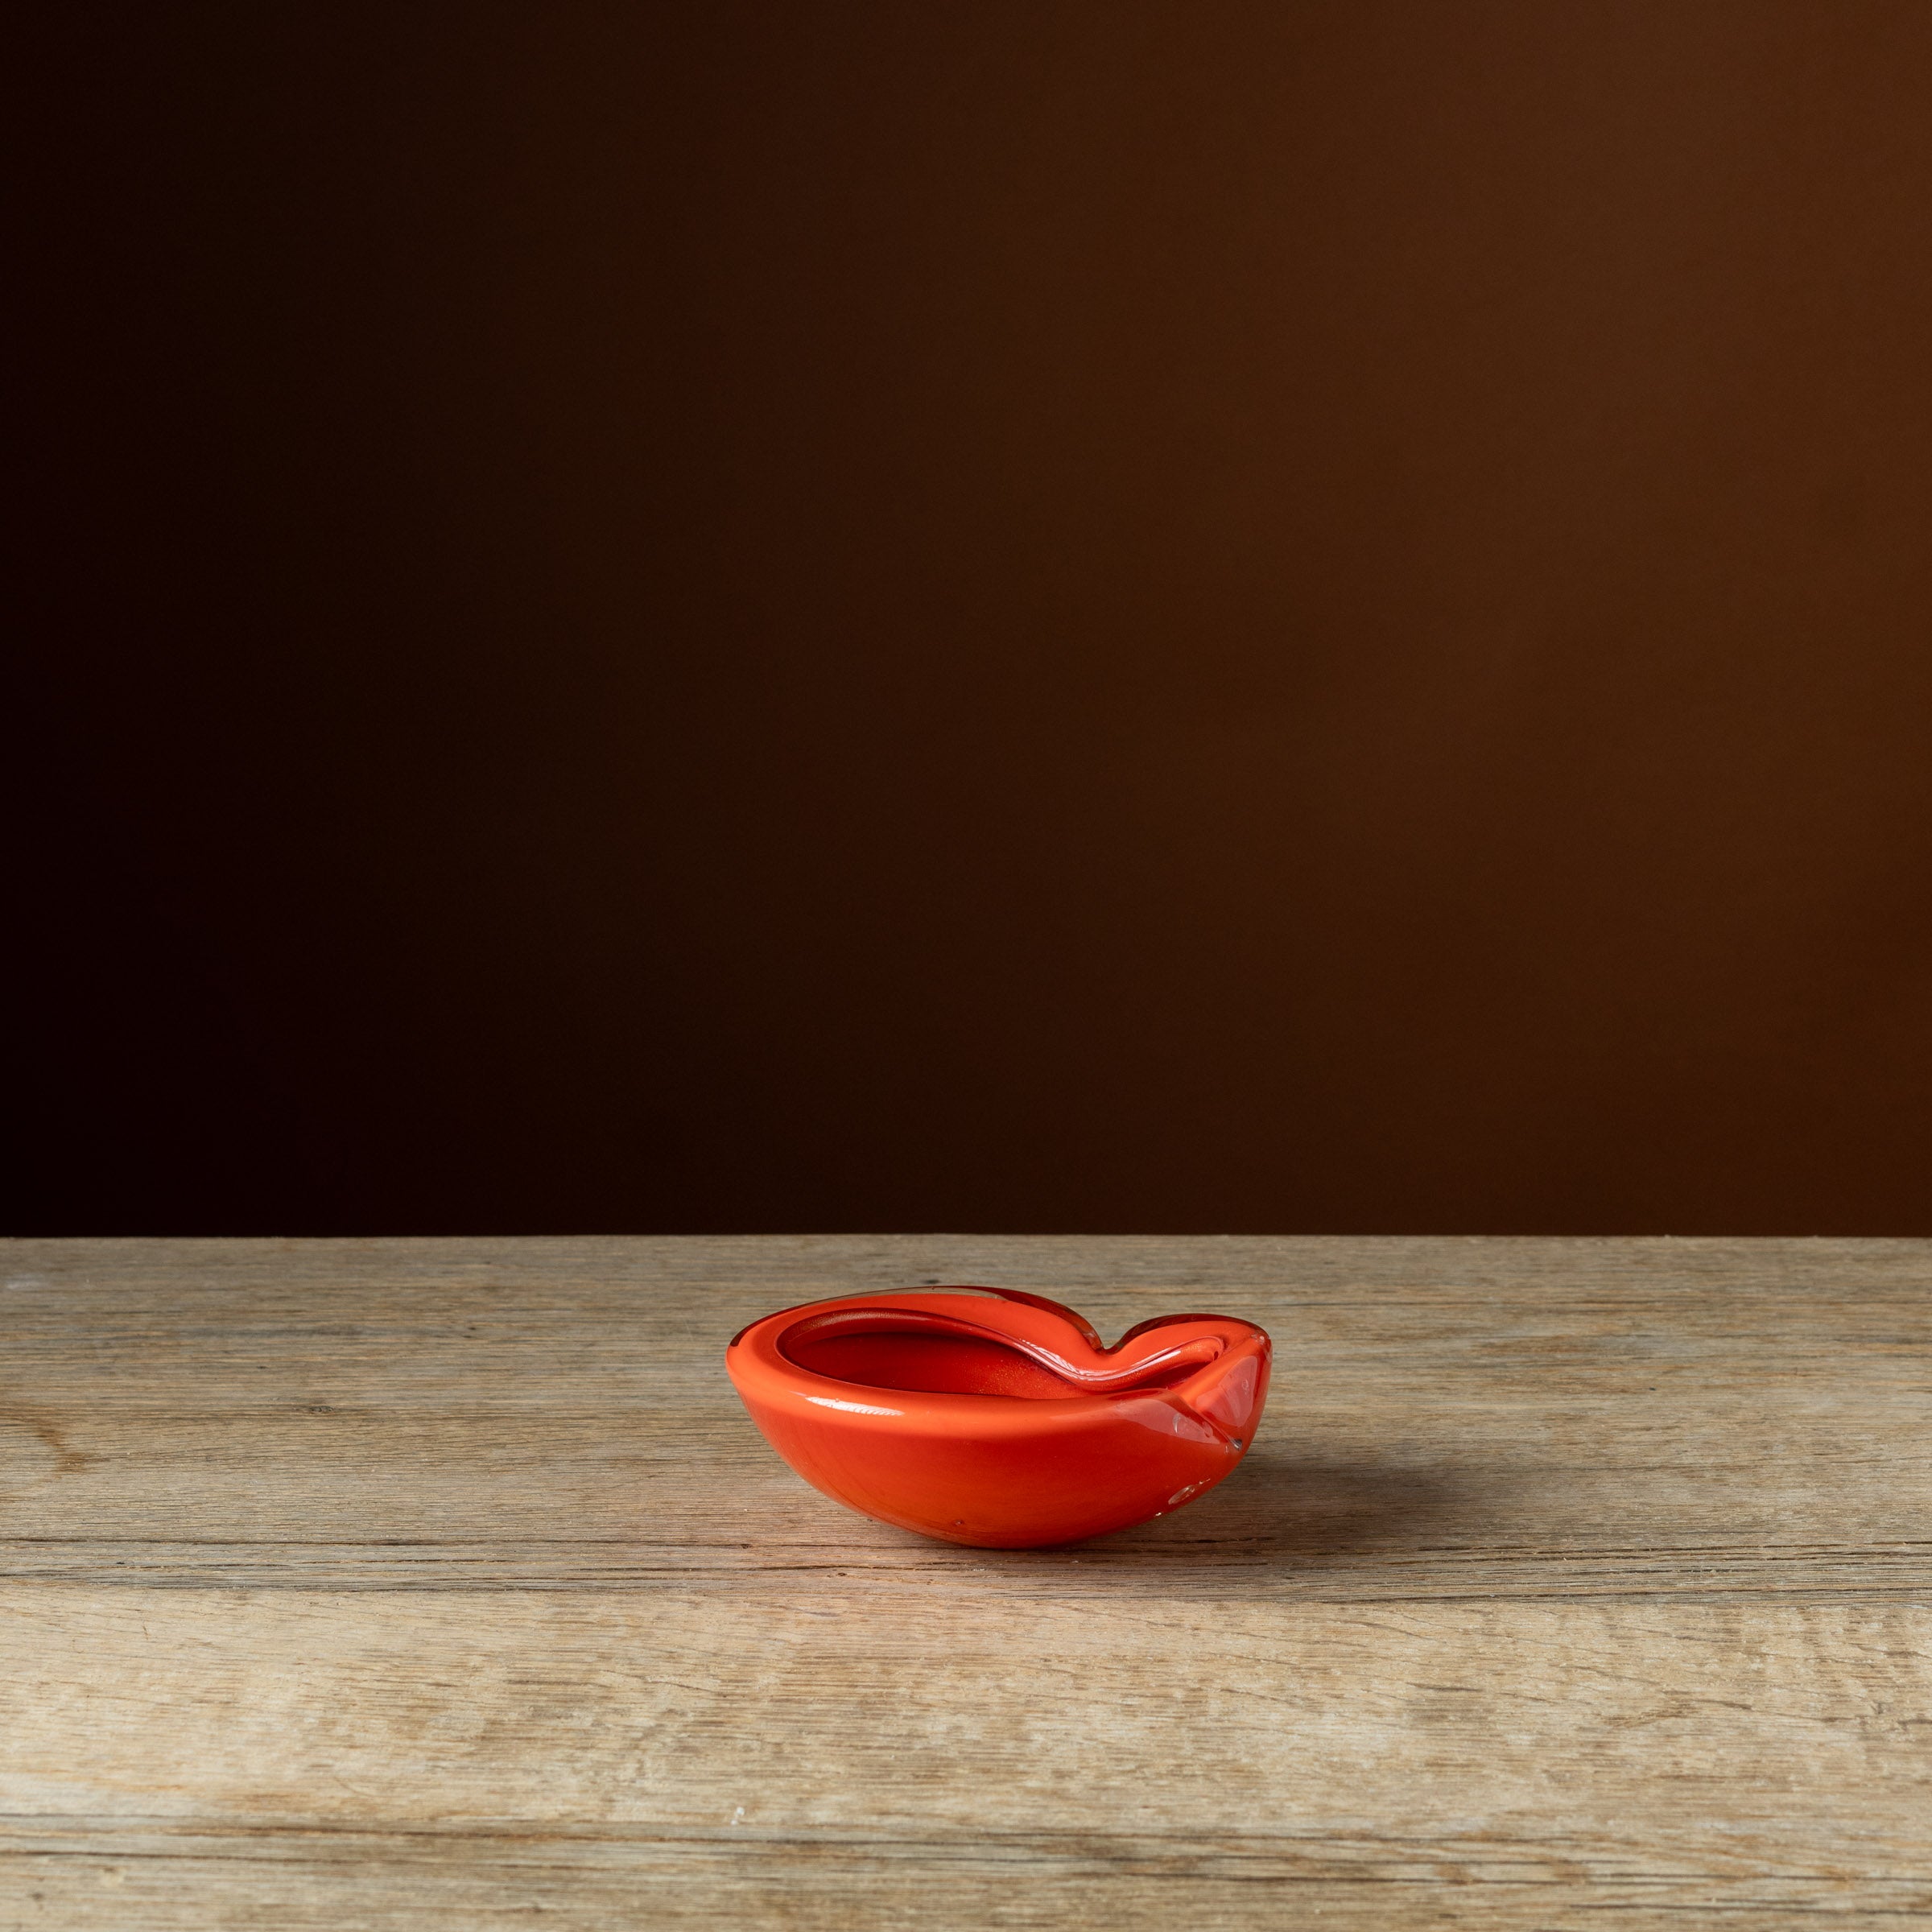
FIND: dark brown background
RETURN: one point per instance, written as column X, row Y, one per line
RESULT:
column 1304, row 617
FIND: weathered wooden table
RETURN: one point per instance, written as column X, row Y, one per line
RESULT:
column 444, row 1584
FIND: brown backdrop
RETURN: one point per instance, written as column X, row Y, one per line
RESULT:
column 1207, row 616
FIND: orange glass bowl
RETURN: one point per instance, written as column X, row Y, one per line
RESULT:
column 985, row 1416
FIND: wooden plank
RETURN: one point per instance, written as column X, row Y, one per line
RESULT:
column 432, row 1583
column 331, row 1880
column 1534, row 1418
column 1721, row 1753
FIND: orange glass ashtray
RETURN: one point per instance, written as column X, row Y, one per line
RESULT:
column 985, row 1416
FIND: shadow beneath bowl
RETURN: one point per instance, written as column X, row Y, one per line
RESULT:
column 1288, row 1513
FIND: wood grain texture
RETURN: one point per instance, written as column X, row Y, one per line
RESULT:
column 442, row 1584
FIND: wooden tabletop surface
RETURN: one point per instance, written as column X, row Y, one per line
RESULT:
column 444, row 1584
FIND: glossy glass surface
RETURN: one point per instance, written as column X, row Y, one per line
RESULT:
column 989, row 1417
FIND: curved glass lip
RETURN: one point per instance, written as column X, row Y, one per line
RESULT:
column 867, row 1405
